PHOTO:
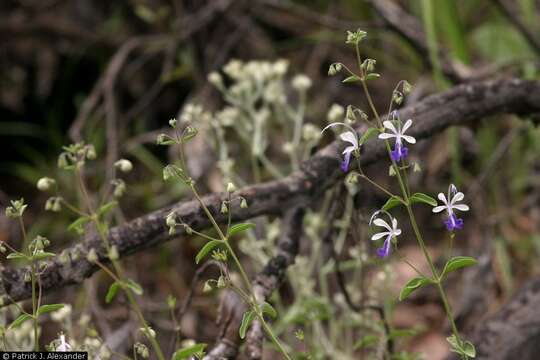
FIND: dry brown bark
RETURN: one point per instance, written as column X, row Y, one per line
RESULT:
column 460, row 105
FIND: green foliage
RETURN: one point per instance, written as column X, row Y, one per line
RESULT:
column 412, row 285
column 187, row 352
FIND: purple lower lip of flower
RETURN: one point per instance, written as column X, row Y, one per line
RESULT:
column 399, row 152
column 453, row 223
column 384, row 251
column 345, row 162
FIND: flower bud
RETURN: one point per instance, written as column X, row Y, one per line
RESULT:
column 57, row 204
column 90, row 152
column 207, row 287
column 92, row 256
column 231, row 188
column 215, row 79
column 407, row 87
column 171, row 219
column 124, row 165
column 45, row 183
column 243, row 204
column 148, row 332
column 301, row 83
column 224, row 208
column 113, row 253
column 172, row 123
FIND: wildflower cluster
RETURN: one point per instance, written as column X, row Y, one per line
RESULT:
column 393, row 133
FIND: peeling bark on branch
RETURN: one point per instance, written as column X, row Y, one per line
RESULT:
column 459, row 105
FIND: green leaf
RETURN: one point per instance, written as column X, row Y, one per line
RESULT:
column 368, row 134
column 392, row 203
column 268, row 309
column 352, row 78
column 43, row 309
column 423, row 198
column 246, row 320
column 77, row 225
column 111, row 293
column 372, row 76
column 134, row 286
column 461, row 347
column 458, row 262
column 18, row 321
column 43, row 255
column 412, row 285
column 468, row 349
column 189, row 133
column 207, row 248
column 189, row 351
column 237, row 228
column 399, row 333
column 16, row 256
column 366, row 341
column 103, row 210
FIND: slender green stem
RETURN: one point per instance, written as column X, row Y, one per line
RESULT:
column 33, row 274
column 245, row 279
column 405, row 193
column 273, row 337
column 117, row 266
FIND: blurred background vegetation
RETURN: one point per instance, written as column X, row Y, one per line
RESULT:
column 115, row 72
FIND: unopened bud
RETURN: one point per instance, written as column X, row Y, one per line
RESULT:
column 231, row 188
column 92, row 256
column 124, row 165
column 224, row 208
column 113, row 253
column 243, row 204
column 45, row 183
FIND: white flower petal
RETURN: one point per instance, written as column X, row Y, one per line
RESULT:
column 350, row 137
column 397, row 232
column 438, row 209
column 407, row 125
column 382, row 223
column 388, row 124
column 379, row 235
column 441, row 197
column 461, row 207
column 394, row 223
column 458, row 197
column 386, row 136
column 409, row 139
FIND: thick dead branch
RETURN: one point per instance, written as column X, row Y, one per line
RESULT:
column 459, row 105
column 514, row 331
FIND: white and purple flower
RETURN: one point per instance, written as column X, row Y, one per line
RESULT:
column 391, row 232
column 63, row 345
column 400, row 150
column 450, row 204
column 352, row 139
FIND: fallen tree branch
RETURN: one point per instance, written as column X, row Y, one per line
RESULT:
column 459, row 105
